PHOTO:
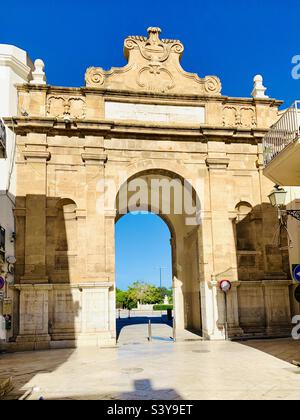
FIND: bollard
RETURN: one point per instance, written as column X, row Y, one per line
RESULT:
column 174, row 329
column 149, row 331
column 226, row 318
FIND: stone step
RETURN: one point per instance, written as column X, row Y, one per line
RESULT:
column 6, row 385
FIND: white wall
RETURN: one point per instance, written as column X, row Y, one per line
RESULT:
column 293, row 203
column 15, row 67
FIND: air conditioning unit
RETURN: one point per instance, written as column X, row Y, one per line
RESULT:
column 2, row 140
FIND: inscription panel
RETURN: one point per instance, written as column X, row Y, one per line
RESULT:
column 155, row 113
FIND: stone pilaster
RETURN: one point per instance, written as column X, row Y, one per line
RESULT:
column 212, row 311
column 110, row 217
column 34, row 320
column 97, row 313
column 221, row 229
column 224, row 263
column 277, row 307
column 36, row 156
column 109, row 223
column 234, row 328
column 94, row 160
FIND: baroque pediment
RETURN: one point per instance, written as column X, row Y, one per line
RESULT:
column 153, row 66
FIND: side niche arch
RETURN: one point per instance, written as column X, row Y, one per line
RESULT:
column 245, row 234
column 247, row 226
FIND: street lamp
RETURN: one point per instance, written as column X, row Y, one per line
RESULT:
column 277, row 198
column 160, row 275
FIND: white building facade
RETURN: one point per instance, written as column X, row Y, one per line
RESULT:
column 15, row 68
column 282, row 156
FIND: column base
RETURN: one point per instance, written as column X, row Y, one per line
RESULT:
column 33, row 342
column 104, row 339
column 279, row 331
column 235, row 332
column 215, row 336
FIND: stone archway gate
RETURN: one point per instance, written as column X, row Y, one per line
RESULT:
column 149, row 115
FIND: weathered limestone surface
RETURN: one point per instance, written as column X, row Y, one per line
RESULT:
column 6, row 386
column 149, row 120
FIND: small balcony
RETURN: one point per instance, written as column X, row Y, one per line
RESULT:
column 282, row 148
column 2, row 140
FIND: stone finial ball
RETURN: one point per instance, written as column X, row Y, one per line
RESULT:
column 39, row 64
column 258, row 78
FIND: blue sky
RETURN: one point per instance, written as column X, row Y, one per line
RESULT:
column 233, row 39
column 142, row 247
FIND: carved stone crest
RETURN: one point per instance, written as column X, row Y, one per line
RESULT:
column 239, row 116
column 61, row 106
column 153, row 66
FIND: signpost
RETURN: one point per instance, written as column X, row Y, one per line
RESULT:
column 296, row 277
column 296, row 272
column 297, row 294
column 225, row 286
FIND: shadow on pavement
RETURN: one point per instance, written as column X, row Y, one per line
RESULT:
column 24, row 369
column 143, row 390
column 136, row 320
column 287, row 350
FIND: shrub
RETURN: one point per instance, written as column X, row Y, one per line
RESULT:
column 162, row 307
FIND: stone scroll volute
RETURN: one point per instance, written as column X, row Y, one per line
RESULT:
column 153, row 66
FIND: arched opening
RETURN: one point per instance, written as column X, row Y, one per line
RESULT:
column 174, row 200
column 144, row 276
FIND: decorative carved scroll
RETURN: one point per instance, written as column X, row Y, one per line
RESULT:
column 153, row 66
column 239, row 116
column 61, row 106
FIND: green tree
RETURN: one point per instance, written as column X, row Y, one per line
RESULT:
column 121, row 298
column 124, row 300
column 130, row 303
column 144, row 293
column 152, row 295
column 163, row 291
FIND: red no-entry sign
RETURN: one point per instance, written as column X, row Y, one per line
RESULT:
column 225, row 286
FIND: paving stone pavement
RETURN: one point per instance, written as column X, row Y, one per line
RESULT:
column 284, row 349
column 161, row 369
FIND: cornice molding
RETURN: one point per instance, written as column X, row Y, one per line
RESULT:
column 129, row 95
column 52, row 126
column 21, row 69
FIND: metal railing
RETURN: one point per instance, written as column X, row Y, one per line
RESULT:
column 284, row 132
column 2, row 137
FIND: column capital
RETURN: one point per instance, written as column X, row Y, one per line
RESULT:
column 94, row 159
column 110, row 213
column 27, row 287
column 34, row 280
column 36, row 156
column 217, row 163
